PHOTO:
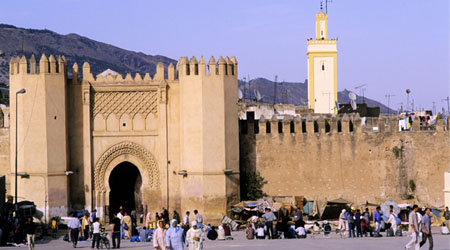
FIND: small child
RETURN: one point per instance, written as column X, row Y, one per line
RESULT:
column 260, row 234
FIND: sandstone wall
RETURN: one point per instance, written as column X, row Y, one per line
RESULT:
column 357, row 166
column 4, row 157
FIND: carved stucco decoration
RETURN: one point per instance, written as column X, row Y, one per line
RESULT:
column 150, row 169
column 125, row 102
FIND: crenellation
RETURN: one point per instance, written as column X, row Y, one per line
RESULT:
column 12, row 66
column 17, row 66
column 119, row 78
column 52, row 62
column 212, row 66
column 43, row 65
column 23, row 65
column 138, row 78
column 202, row 66
column 75, row 73
column 235, row 65
column 87, row 75
column 193, row 66
column 100, row 79
column 61, row 65
column 170, row 72
column 32, row 65
column 128, row 78
column 110, row 79
column 148, row 78
column 230, row 66
column 159, row 76
column 222, row 66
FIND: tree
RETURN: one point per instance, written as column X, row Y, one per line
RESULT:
column 253, row 184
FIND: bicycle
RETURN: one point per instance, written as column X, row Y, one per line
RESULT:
column 104, row 241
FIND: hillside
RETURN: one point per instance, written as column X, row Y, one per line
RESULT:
column 295, row 93
column 76, row 48
column 102, row 56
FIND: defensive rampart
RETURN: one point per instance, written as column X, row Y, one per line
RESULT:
column 326, row 158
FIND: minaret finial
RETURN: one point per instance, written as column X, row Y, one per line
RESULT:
column 321, row 5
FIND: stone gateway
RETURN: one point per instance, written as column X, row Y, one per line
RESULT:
column 145, row 143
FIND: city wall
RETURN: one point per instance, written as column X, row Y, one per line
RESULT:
column 327, row 158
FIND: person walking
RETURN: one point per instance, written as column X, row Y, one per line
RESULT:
column 116, row 231
column 73, row 227
column 447, row 218
column 120, row 216
column 426, row 229
column 159, row 237
column 393, row 221
column 377, row 221
column 199, row 219
column 413, row 229
column 195, row 237
column 351, row 224
column 148, row 219
column 342, row 223
column 186, row 221
column 174, row 237
column 96, row 234
column 270, row 218
column 30, row 231
column 176, row 216
column 358, row 218
column 85, row 227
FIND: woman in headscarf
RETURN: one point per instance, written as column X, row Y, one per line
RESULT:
column 221, row 233
column 148, row 220
column 159, row 237
column 127, row 225
column 195, row 237
column 175, row 236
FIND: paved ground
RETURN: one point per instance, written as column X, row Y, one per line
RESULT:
column 441, row 242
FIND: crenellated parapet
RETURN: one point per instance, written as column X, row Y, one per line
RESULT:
column 51, row 65
column 319, row 124
column 223, row 67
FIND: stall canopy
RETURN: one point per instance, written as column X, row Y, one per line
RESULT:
column 334, row 208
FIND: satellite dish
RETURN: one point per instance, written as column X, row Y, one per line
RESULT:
column 258, row 95
column 352, row 96
column 240, row 94
column 353, row 103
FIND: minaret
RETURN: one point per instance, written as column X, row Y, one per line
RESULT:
column 322, row 69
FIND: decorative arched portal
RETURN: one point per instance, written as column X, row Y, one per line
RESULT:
column 127, row 155
column 125, row 182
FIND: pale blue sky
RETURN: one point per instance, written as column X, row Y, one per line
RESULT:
column 390, row 45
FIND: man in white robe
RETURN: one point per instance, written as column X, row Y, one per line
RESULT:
column 194, row 237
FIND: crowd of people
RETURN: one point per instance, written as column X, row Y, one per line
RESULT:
column 191, row 232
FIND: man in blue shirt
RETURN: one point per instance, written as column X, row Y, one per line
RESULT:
column 426, row 229
column 270, row 218
column 377, row 221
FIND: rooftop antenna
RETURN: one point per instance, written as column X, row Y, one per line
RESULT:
column 258, row 95
column 240, row 95
column 360, row 89
column 388, row 96
column 352, row 97
column 275, row 90
column 407, row 98
column 326, row 5
column 448, row 106
column 286, row 96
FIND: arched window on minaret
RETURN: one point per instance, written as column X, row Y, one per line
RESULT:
column 323, row 66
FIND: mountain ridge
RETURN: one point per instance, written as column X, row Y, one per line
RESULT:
column 101, row 56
